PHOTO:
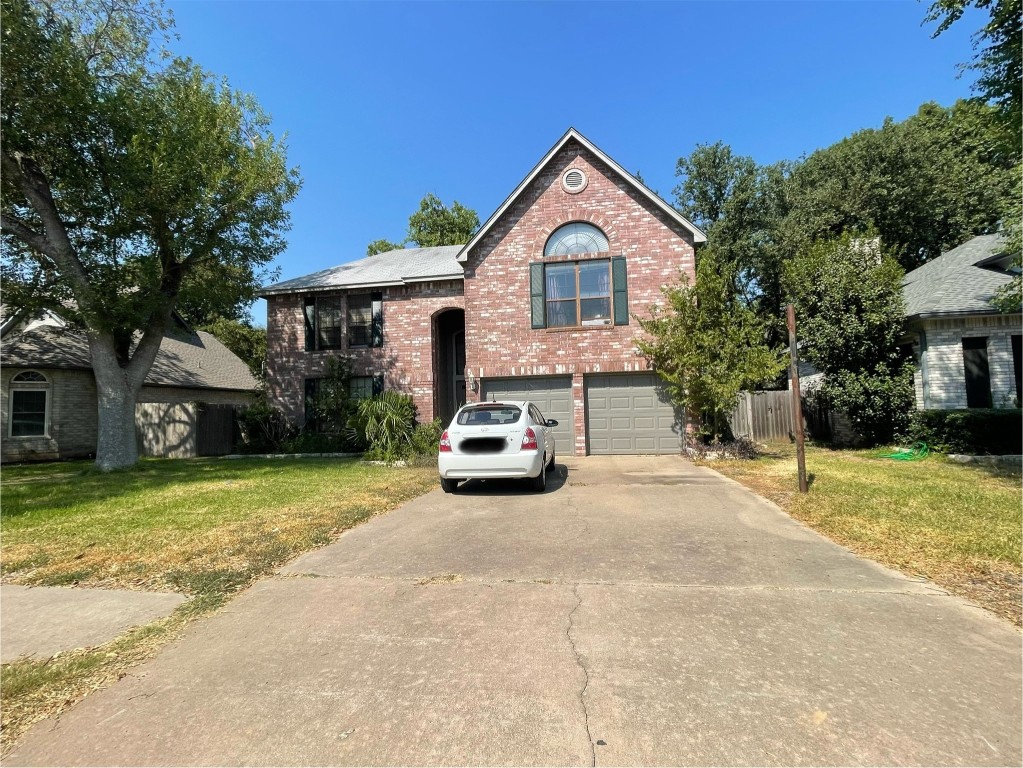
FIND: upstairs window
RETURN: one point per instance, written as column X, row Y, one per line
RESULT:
column 327, row 317
column 578, row 293
column 365, row 320
column 29, row 405
column 324, row 322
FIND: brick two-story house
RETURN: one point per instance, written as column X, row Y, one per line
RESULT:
column 539, row 304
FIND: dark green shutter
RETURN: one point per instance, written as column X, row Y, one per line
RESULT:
column 621, row 289
column 310, row 323
column 536, row 299
column 377, row 337
column 378, row 384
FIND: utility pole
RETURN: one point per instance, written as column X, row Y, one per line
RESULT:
column 797, row 400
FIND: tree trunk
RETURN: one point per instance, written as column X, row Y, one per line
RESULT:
column 116, row 395
column 116, row 443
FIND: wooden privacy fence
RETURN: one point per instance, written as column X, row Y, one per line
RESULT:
column 183, row 430
column 763, row 415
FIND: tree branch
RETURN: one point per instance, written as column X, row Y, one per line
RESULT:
column 26, row 234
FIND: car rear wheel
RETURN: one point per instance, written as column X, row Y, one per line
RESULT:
column 540, row 481
column 449, row 486
column 550, row 464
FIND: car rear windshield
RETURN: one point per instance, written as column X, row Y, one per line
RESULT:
column 490, row 414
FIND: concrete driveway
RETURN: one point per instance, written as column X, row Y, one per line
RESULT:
column 642, row 611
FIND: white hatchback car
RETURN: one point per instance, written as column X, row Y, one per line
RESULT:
column 497, row 440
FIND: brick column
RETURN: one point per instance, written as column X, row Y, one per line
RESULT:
column 579, row 408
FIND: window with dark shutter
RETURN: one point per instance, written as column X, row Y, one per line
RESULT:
column 978, row 375
column 310, row 323
column 377, row 335
column 329, row 322
column 572, row 294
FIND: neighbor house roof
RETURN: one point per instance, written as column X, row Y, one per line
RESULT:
column 960, row 282
column 573, row 135
column 195, row 359
column 399, row 267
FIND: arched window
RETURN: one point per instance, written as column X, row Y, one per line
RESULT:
column 577, row 237
column 30, row 405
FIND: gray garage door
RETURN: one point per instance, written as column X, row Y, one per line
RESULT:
column 552, row 395
column 626, row 413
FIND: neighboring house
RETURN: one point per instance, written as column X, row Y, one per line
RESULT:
column 48, row 392
column 967, row 353
column 538, row 305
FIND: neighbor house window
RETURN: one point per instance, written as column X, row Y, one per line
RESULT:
column 324, row 322
column 29, row 406
column 978, row 375
column 365, row 320
column 1017, row 365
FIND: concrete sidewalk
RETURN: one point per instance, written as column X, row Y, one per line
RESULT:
column 642, row 612
column 40, row 621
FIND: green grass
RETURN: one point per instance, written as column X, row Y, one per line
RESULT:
column 958, row 525
column 203, row 527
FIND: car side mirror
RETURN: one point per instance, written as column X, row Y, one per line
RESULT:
column 552, row 422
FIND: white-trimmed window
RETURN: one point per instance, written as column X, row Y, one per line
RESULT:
column 29, row 412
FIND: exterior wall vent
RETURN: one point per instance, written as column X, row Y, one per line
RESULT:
column 573, row 181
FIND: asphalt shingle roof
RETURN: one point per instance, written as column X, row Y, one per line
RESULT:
column 403, row 265
column 955, row 283
column 185, row 359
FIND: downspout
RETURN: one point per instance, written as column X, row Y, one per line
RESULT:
column 923, row 370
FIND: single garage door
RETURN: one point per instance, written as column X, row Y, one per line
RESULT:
column 552, row 395
column 626, row 414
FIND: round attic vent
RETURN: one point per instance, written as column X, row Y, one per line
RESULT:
column 574, row 180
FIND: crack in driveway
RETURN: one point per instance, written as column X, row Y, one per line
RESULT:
column 586, row 672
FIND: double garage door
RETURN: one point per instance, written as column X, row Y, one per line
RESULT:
column 625, row 413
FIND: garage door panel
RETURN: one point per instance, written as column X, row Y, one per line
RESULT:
column 551, row 394
column 629, row 413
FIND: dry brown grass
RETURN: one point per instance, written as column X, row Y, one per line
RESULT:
column 958, row 526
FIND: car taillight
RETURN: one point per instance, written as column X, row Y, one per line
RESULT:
column 445, row 442
column 528, row 440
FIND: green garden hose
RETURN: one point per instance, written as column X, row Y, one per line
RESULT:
column 915, row 452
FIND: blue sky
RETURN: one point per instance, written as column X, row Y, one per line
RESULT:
column 383, row 102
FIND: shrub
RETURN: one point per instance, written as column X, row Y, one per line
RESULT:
column 426, row 438
column 388, row 421
column 264, row 429
column 346, row 441
column 996, row 431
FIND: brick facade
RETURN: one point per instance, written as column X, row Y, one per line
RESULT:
column 495, row 296
column 500, row 341
column 406, row 358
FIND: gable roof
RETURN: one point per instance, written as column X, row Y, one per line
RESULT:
column 186, row 359
column 959, row 282
column 573, row 135
column 398, row 267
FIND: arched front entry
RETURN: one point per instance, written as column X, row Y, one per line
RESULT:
column 448, row 363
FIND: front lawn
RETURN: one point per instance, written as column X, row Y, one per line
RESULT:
column 203, row 527
column 957, row 525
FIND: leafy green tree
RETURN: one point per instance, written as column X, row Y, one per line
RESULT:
column 382, row 246
column 128, row 186
column 432, row 225
column 242, row 338
column 999, row 54
column 740, row 205
column 334, row 404
column 708, row 345
column 850, row 316
column 925, row 185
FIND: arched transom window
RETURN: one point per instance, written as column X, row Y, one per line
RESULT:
column 577, row 237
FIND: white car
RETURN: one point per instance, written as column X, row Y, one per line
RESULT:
column 497, row 440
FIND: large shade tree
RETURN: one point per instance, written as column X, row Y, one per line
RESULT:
column 131, row 184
